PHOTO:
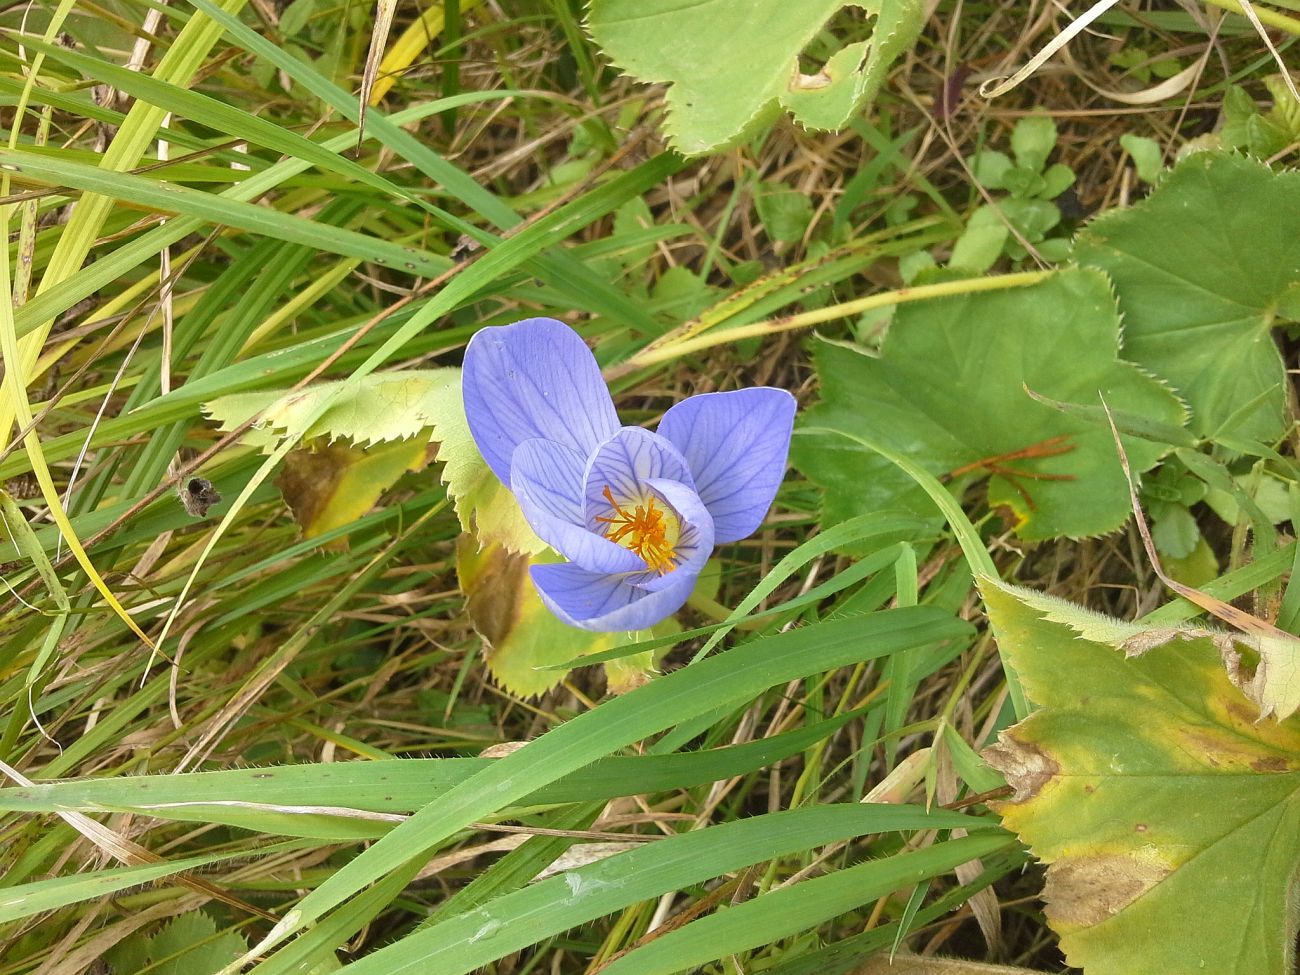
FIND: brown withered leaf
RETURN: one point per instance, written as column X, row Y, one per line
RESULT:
column 334, row 485
column 519, row 633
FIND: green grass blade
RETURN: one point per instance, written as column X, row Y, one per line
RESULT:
column 968, row 538
column 53, row 301
column 25, row 900
column 171, row 198
column 792, row 910
column 620, row 722
column 517, row 920
column 248, row 798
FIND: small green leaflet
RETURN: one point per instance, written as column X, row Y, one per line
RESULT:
column 949, row 391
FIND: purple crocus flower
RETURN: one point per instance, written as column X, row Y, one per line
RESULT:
column 636, row 513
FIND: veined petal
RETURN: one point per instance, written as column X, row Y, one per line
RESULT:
column 736, row 445
column 607, row 603
column 633, row 601
column 546, row 479
column 535, row 379
column 623, row 464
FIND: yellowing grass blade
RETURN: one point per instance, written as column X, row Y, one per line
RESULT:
column 13, row 402
column 408, row 47
column 378, row 38
column 182, row 60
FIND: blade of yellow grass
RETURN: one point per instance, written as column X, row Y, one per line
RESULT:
column 688, row 338
column 14, row 391
column 177, row 66
column 414, row 41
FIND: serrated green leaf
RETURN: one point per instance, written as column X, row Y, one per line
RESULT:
column 1133, row 424
column 949, row 391
column 190, row 944
column 381, row 407
column 1155, row 797
column 827, row 99
column 733, row 65
column 1199, row 267
column 393, row 406
column 483, row 505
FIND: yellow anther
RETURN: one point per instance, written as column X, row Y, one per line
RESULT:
column 648, row 531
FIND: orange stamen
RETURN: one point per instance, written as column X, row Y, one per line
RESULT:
column 643, row 531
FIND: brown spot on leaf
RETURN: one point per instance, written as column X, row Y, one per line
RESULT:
column 1026, row 766
column 1271, row 763
column 1141, row 828
column 1140, row 643
column 491, row 581
column 811, row 82
column 1088, row 890
column 501, row 749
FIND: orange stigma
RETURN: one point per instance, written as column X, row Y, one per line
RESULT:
column 645, row 531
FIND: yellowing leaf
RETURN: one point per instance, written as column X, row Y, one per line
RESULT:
column 484, row 506
column 379, row 407
column 335, row 485
column 519, row 633
column 1269, row 676
column 1167, row 813
column 416, row 40
column 394, row 406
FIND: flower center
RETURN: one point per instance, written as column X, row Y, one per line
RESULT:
column 648, row 531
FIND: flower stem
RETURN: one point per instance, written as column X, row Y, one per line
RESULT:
column 1266, row 15
column 819, row 316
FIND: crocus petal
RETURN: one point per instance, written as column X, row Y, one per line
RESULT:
column 736, row 445
column 624, row 463
column 533, row 379
column 632, row 601
column 607, row 603
column 546, row 479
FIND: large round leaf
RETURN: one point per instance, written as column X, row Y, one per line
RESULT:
column 1167, row 812
column 950, row 390
column 1203, row 268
